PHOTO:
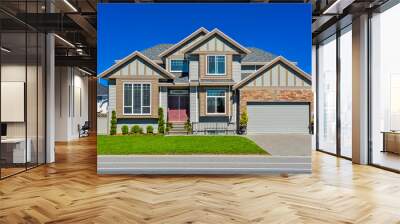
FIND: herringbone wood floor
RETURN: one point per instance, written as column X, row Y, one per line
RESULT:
column 70, row 191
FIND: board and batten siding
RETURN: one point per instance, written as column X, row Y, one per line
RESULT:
column 216, row 44
column 279, row 76
column 136, row 67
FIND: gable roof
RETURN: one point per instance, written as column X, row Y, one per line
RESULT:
column 258, row 55
column 130, row 57
column 221, row 34
column 201, row 30
column 268, row 66
column 154, row 51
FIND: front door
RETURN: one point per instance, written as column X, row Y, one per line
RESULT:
column 178, row 108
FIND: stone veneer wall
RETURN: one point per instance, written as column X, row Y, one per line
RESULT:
column 254, row 94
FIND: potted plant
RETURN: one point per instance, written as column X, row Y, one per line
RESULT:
column 244, row 118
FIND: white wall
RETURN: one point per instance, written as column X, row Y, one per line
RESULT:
column 71, row 102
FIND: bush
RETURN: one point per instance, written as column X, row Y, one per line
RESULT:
column 113, row 129
column 161, row 122
column 135, row 129
column 125, row 129
column 149, row 129
column 244, row 118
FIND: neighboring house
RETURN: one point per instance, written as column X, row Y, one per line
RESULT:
column 102, row 98
column 210, row 79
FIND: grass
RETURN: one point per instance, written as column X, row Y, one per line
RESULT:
column 176, row 145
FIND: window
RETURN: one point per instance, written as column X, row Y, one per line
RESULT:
column 179, row 66
column 215, row 101
column 216, row 65
column 137, row 98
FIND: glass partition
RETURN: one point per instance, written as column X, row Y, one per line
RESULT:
column 346, row 92
column 385, row 89
column 22, row 93
column 327, row 95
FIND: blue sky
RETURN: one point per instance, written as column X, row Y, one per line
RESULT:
column 282, row 29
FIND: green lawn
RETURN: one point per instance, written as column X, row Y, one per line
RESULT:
column 176, row 145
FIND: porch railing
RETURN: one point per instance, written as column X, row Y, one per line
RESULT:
column 214, row 128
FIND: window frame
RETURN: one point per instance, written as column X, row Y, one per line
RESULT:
column 184, row 61
column 216, row 105
column 132, row 99
column 216, row 67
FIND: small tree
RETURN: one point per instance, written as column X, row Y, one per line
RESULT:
column 135, row 129
column 113, row 129
column 188, row 126
column 161, row 122
column 149, row 129
column 125, row 129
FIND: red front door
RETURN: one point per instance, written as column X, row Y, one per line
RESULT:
column 178, row 108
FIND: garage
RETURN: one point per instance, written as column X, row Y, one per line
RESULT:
column 267, row 117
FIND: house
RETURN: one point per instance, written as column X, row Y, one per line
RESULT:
column 210, row 79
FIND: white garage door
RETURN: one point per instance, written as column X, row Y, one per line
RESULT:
column 278, row 117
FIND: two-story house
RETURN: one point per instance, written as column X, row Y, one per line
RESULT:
column 210, row 79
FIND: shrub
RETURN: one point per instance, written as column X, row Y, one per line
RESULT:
column 125, row 129
column 244, row 118
column 161, row 122
column 149, row 129
column 135, row 129
column 113, row 129
column 188, row 126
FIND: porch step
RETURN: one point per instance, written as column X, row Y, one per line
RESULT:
column 178, row 129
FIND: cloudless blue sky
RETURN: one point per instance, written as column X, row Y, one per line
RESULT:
column 282, row 29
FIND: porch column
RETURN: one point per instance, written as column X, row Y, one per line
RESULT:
column 194, row 104
column 164, row 101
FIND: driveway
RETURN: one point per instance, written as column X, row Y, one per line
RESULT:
column 284, row 144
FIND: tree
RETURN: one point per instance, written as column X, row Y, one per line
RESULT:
column 161, row 122
column 113, row 130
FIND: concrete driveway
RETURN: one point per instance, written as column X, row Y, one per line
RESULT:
column 284, row 144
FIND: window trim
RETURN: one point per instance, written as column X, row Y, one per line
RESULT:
column 215, row 74
column 225, row 106
column 177, row 59
column 141, row 98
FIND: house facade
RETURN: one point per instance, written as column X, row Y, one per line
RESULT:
column 210, row 79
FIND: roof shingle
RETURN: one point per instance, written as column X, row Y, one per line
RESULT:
column 256, row 55
column 153, row 52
